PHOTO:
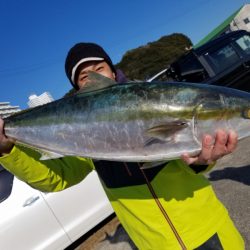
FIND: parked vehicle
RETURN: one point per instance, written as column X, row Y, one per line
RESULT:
column 223, row 61
column 30, row 219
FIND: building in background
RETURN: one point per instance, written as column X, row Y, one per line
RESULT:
column 239, row 20
column 6, row 109
column 35, row 100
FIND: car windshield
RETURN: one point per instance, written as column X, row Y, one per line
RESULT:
column 223, row 58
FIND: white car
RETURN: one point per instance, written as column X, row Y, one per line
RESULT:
column 31, row 220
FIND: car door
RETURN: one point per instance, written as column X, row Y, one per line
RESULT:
column 81, row 207
column 26, row 221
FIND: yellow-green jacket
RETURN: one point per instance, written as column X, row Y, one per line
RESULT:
column 165, row 207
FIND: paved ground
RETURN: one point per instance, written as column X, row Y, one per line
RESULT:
column 231, row 181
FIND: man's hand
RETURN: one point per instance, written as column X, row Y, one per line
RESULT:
column 213, row 149
column 5, row 144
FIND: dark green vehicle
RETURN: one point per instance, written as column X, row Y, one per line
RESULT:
column 223, row 61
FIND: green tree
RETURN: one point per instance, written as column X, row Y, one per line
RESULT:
column 145, row 61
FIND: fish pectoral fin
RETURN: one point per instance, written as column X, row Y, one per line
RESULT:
column 166, row 132
column 48, row 155
column 96, row 82
column 148, row 165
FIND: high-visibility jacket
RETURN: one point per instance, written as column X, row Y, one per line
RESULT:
column 165, row 207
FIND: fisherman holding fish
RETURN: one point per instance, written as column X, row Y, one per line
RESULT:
column 169, row 206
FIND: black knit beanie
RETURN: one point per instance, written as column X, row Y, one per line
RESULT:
column 84, row 52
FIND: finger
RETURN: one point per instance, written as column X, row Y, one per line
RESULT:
column 220, row 145
column 1, row 124
column 3, row 137
column 232, row 141
column 1, row 128
column 189, row 160
column 207, row 148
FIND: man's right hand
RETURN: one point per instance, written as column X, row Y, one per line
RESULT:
column 6, row 144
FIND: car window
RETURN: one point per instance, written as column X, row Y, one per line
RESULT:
column 6, row 183
column 190, row 69
column 223, row 58
column 244, row 43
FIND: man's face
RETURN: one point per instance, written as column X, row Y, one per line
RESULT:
column 100, row 67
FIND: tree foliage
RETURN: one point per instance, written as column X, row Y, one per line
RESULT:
column 145, row 61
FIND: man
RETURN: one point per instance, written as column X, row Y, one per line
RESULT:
column 171, row 206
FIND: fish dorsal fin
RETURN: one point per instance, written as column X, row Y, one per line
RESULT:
column 96, row 82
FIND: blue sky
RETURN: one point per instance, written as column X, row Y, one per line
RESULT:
column 36, row 35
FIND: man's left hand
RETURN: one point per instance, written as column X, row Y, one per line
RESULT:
column 213, row 148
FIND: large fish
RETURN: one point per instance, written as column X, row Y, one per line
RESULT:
column 132, row 122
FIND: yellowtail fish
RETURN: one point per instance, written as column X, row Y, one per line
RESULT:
column 132, row 122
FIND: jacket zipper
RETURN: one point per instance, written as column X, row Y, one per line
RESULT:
column 177, row 236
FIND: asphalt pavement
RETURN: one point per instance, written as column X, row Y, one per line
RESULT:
column 231, row 181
